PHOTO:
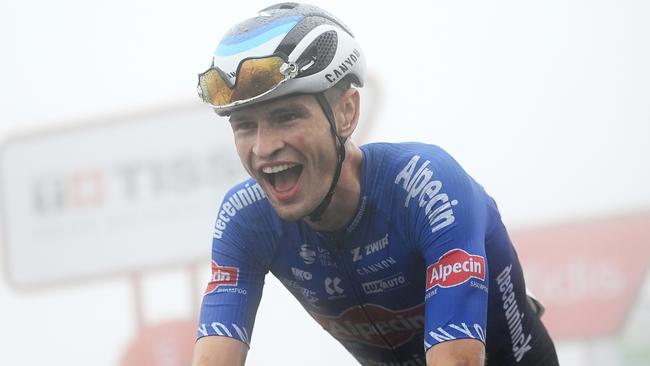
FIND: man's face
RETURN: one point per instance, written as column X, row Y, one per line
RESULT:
column 286, row 145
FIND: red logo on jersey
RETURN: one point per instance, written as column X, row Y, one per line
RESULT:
column 397, row 327
column 222, row 276
column 455, row 267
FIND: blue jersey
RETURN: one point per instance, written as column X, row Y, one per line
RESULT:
column 426, row 259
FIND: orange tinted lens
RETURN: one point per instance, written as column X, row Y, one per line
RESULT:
column 255, row 77
column 214, row 88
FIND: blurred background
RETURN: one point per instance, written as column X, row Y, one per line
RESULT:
column 111, row 169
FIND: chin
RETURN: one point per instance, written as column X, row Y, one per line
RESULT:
column 291, row 214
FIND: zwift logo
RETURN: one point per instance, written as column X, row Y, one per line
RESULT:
column 420, row 185
column 376, row 246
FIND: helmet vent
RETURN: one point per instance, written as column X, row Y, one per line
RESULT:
column 321, row 51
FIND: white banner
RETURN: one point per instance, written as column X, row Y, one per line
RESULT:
column 117, row 196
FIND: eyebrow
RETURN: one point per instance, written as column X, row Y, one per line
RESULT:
column 289, row 108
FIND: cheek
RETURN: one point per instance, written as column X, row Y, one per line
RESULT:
column 243, row 150
column 317, row 139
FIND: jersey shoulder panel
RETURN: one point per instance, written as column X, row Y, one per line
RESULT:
column 391, row 166
column 247, row 224
column 430, row 191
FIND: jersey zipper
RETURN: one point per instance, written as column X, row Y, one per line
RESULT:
column 336, row 249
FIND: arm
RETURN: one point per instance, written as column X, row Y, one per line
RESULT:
column 219, row 351
column 234, row 290
column 460, row 352
column 448, row 216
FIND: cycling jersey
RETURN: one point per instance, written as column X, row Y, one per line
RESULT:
column 425, row 259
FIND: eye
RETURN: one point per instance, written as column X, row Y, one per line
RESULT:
column 286, row 117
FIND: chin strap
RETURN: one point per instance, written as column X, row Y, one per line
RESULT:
column 339, row 143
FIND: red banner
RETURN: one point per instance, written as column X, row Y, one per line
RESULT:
column 587, row 274
column 167, row 344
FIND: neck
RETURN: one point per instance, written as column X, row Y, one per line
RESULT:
column 346, row 197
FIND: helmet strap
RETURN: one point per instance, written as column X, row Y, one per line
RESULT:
column 339, row 143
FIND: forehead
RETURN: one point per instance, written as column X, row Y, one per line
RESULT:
column 302, row 101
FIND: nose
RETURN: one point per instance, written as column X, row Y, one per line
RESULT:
column 268, row 141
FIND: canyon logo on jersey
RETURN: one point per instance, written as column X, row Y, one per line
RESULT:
column 396, row 326
column 222, row 276
column 454, row 268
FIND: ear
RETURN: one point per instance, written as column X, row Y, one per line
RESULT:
column 347, row 112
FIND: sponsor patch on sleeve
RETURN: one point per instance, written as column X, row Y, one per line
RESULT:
column 222, row 276
column 454, row 268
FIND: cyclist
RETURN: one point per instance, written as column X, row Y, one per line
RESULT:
column 392, row 248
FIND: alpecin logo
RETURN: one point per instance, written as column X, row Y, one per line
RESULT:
column 454, row 268
column 222, row 276
column 397, row 326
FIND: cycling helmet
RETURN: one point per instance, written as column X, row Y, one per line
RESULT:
column 288, row 48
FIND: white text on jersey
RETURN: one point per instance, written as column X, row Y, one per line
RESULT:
column 242, row 198
column 420, row 184
column 357, row 253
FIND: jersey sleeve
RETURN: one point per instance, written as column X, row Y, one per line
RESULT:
column 234, row 290
column 449, row 218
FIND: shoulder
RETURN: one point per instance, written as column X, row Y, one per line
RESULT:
column 422, row 164
column 429, row 189
column 246, row 227
column 396, row 155
column 410, row 166
column 244, row 204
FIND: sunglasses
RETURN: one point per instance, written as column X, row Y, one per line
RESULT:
column 256, row 77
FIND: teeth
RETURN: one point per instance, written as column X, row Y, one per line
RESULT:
column 277, row 168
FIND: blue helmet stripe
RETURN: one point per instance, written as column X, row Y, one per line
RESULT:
column 243, row 42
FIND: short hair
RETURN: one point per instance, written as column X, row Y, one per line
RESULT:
column 334, row 93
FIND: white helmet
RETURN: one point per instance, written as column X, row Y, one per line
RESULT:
column 287, row 48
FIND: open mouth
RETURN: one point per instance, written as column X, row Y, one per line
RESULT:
column 282, row 177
